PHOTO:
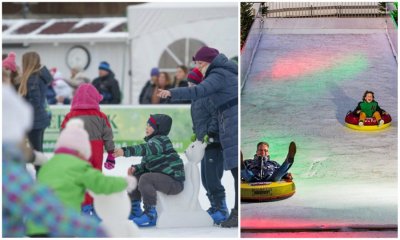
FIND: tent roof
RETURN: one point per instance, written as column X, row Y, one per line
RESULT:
column 150, row 17
column 64, row 30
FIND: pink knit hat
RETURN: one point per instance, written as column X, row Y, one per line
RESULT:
column 74, row 137
column 9, row 62
column 86, row 97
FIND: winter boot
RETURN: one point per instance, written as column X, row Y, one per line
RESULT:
column 89, row 211
column 212, row 209
column 291, row 152
column 232, row 220
column 380, row 123
column 148, row 218
column 221, row 212
column 136, row 210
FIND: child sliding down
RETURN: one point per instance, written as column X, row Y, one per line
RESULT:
column 369, row 108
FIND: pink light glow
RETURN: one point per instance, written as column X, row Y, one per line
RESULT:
column 310, row 228
column 300, row 63
column 288, row 223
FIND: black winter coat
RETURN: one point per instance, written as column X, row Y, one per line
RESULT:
column 108, row 87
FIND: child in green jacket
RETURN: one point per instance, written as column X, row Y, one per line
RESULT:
column 69, row 174
column 161, row 169
column 369, row 108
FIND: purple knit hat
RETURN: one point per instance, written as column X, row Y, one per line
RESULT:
column 206, row 54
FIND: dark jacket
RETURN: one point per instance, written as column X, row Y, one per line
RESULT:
column 261, row 168
column 221, row 85
column 146, row 93
column 108, row 87
column 158, row 152
column 205, row 119
column 36, row 96
column 183, row 83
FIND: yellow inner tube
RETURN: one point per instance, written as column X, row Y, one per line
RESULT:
column 266, row 191
column 368, row 128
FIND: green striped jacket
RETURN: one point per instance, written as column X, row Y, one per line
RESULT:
column 158, row 156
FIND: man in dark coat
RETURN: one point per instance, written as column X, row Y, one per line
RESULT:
column 221, row 85
column 262, row 169
column 107, row 85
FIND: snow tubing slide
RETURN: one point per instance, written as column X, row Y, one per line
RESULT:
column 370, row 124
column 266, row 191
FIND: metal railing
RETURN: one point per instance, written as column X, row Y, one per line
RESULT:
column 250, row 47
column 323, row 9
column 391, row 30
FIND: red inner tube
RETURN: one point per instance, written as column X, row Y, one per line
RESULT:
column 353, row 119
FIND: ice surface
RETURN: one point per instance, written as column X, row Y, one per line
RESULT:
column 120, row 169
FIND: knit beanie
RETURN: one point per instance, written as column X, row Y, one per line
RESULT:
column 206, row 54
column 75, row 137
column 9, row 62
column 105, row 66
column 17, row 115
column 195, row 76
column 152, row 122
column 154, row 72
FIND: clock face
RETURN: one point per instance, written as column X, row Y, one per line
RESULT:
column 78, row 56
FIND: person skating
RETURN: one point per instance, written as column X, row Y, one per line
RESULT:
column 161, row 169
column 86, row 106
column 69, row 174
column 205, row 128
column 220, row 84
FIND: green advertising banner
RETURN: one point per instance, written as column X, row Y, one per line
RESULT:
column 129, row 124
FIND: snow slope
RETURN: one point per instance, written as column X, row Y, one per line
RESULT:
column 300, row 87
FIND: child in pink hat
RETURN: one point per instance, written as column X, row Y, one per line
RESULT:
column 85, row 105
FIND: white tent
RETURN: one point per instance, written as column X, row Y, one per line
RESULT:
column 55, row 49
column 175, row 31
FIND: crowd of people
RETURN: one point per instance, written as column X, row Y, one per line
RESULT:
column 61, row 88
column 211, row 88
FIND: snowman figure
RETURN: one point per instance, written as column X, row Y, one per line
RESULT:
column 183, row 209
column 113, row 210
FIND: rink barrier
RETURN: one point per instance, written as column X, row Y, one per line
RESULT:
column 128, row 124
column 250, row 47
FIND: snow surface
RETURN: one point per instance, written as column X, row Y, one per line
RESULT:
column 122, row 164
column 300, row 88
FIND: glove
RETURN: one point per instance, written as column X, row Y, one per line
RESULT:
column 39, row 158
column 110, row 162
column 288, row 177
column 206, row 139
column 132, row 183
column 193, row 137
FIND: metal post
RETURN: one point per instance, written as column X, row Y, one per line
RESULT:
column 25, row 10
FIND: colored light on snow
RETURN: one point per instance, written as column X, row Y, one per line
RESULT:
column 285, row 223
column 304, row 63
column 297, row 65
